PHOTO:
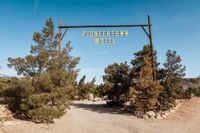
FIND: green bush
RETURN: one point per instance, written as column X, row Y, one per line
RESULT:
column 85, row 88
column 17, row 92
column 117, row 82
column 167, row 99
column 44, row 107
column 195, row 91
column 100, row 90
column 37, row 98
column 170, row 77
column 3, row 84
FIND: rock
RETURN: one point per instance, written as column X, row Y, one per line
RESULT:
column 178, row 106
column 91, row 96
column 172, row 110
column 162, row 113
column 145, row 117
column 166, row 113
column 5, row 114
column 138, row 114
column 158, row 116
column 76, row 97
column 151, row 114
column 97, row 99
column 164, row 116
column 1, row 114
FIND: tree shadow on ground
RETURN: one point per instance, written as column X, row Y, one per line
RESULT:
column 102, row 108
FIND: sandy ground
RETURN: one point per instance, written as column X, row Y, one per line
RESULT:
column 95, row 117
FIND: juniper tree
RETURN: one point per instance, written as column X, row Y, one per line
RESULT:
column 117, row 79
column 174, row 70
column 49, row 74
column 3, row 85
column 144, row 90
column 171, row 75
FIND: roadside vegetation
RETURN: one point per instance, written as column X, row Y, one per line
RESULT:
column 48, row 78
column 48, row 81
column 134, row 84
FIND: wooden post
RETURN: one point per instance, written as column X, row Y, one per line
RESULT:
column 152, row 49
column 60, row 35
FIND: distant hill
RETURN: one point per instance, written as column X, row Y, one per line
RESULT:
column 4, row 76
column 190, row 83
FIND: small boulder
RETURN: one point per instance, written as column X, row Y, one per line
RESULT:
column 97, row 99
column 151, row 114
column 91, row 96
column 145, row 116
column 166, row 113
column 172, row 110
column 158, row 116
column 164, row 116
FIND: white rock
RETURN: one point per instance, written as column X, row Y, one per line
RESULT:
column 91, row 96
column 145, row 116
column 164, row 116
column 172, row 110
column 166, row 113
column 151, row 114
column 97, row 99
column 162, row 113
column 158, row 116
column 76, row 97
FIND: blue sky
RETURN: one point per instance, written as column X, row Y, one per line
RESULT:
column 175, row 26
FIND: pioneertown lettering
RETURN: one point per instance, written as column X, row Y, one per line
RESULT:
column 104, row 37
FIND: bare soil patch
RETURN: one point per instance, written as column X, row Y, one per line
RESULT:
column 96, row 117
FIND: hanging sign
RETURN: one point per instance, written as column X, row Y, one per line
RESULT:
column 104, row 37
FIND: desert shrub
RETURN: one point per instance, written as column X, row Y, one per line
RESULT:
column 17, row 92
column 180, row 93
column 95, row 91
column 195, row 91
column 100, row 90
column 166, row 99
column 4, row 83
column 85, row 88
column 170, row 94
column 84, row 91
column 44, row 107
column 38, row 98
column 194, row 80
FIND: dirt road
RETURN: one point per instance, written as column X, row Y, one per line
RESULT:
column 95, row 117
